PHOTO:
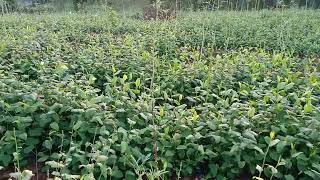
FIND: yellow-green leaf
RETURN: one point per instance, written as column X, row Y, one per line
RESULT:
column 308, row 107
column 113, row 69
column 272, row 134
column 92, row 79
column 251, row 112
column 125, row 77
column 161, row 111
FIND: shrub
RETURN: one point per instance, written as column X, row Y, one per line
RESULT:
column 127, row 99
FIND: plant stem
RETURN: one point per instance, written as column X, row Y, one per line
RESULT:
column 276, row 166
column 155, row 148
column 264, row 160
column 17, row 152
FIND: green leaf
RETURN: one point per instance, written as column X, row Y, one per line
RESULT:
column 213, row 169
column 54, row 164
column 316, row 166
column 241, row 164
column 273, row 169
column 259, row 168
column 92, row 79
column 70, row 177
column 272, row 135
column 144, row 116
column 117, row 173
column 25, row 175
column 308, row 107
column 280, row 146
column 296, row 154
column 23, row 136
column 121, row 110
column 36, row 132
column 190, row 137
column 169, row 153
column 289, row 86
column 313, row 174
column 282, row 162
column 77, row 125
column 161, row 111
column 124, row 146
column 6, row 160
column 138, row 83
column 54, row 126
column 251, row 112
column 125, row 77
column 165, row 95
column 200, row 148
column 28, row 149
column 289, row 177
column 131, row 122
column 43, row 159
column 101, row 158
column 26, row 119
column 274, row 142
column 266, row 99
column 258, row 149
column 47, row 144
column 257, row 178
column 88, row 177
column 113, row 69
column 316, row 173
column 281, row 85
column 62, row 67
column 130, row 175
column 136, row 91
column 181, row 147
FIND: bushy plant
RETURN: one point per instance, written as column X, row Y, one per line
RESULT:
column 109, row 98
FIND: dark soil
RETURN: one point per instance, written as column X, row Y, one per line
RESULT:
column 34, row 167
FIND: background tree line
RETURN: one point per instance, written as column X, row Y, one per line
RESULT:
column 244, row 4
column 58, row 5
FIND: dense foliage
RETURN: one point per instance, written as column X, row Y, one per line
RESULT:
column 42, row 6
column 243, row 4
column 99, row 96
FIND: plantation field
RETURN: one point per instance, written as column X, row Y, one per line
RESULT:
column 213, row 95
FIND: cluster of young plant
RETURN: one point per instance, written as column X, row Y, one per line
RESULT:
column 112, row 98
column 290, row 31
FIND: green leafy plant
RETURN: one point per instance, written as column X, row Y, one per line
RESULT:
column 105, row 97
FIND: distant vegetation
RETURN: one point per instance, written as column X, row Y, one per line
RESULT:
column 77, row 5
column 211, row 89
